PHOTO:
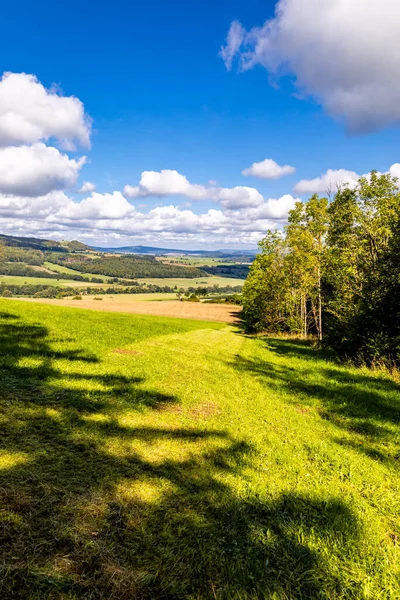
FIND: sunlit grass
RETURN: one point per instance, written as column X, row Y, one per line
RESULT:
column 66, row 270
column 201, row 463
column 11, row 459
column 184, row 283
column 19, row 280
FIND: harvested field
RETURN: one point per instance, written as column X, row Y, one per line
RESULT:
column 227, row 313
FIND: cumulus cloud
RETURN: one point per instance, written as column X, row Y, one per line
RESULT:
column 345, row 54
column 165, row 183
column 268, row 169
column 29, row 113
column 237, row 197
column 35, row 175
column 38, row 209
column 87, row 187
column 36, row 170
column 107, row 216
column 334, row 179
column 275, row 208
column 171, row 183
column 329, row 181
column 394, row 170
column 97, row 206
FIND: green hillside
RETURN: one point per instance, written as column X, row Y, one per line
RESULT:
column 146, row 457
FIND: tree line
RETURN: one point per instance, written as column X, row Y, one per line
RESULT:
column 18, row 269
column 52, row 291
column 334, row 272
column 234, row 271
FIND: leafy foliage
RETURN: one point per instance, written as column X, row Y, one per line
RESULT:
column 335, row 269
column 239, row 271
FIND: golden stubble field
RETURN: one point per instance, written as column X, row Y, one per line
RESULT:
column 228, row 313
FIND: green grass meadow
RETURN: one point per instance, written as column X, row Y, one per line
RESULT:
column 198, row 282
column 19, row 280
column 154, row 458
column 66, row 270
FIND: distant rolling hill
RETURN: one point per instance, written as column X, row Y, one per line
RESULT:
column 32, row 243
column 164, row 251
column 75, row 246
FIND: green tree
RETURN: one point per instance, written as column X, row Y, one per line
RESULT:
column 265, row 290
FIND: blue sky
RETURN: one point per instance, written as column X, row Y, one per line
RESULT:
column 160, row 96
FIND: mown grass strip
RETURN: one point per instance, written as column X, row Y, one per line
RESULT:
column 198, row 463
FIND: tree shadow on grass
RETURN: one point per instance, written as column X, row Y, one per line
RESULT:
column 360, row 403
column 87, row 512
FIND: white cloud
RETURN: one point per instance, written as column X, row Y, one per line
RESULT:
column 165, row 183
column 237, row 197
column 343, row 53
column 171, row 183
column 29, row 113
column 87, row 187
column 268, row 169
column 394, row 170
column 38, row 209
column 235, row 38
column 97, row 206
column 327, row 182
column 111, row 216
column 276, row 209
column 330, row 181
column 36, row 170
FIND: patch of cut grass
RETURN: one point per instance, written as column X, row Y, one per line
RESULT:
column 198, row 282
column 61, row 269
column 145, row 457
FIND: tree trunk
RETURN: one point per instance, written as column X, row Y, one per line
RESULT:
column 319, row 305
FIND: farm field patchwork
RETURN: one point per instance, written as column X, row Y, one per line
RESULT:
column 180, row 283
column 146, row 457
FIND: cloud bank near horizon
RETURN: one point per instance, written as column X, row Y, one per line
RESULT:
column 38, row 180
column 39, row 127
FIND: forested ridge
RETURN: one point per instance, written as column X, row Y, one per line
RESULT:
column 126, row 266
column 18, row 256
column 13, row 241
column 239, row 271
column 334, row 272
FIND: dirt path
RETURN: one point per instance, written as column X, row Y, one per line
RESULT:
column 168, row 308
